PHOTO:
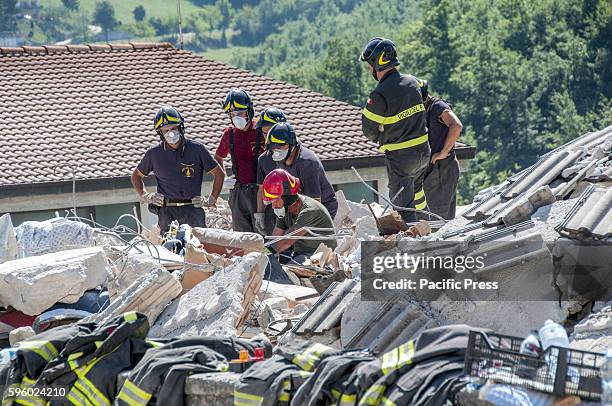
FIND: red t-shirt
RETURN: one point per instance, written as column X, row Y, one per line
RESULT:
column 244, row 151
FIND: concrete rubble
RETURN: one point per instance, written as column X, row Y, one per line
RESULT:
column 594, row 333
column 149, row 294
column 44, row 280
column 126, row 270
column 20, row 334
column 8, row 240
column 228, row 242
column 219, row 305
column 217, row 287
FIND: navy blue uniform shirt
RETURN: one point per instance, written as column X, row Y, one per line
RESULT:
column 437, row 129
column 308, row 167
column 179, row 173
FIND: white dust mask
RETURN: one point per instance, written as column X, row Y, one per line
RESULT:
column 240, row 122
column 279, row 154
column 280, row 212
column 172, row 137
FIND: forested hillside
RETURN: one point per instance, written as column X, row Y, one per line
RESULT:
column 523, row 76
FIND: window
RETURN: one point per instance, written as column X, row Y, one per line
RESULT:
column 355, row 191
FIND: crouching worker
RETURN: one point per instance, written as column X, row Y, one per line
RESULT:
column 294, row 212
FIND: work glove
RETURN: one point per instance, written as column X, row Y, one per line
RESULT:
column 260, row 223
column 229, row 182
column 200, row 201
column 154, row 198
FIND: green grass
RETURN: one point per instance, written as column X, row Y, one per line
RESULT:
column 123, row 8
column 222, row 54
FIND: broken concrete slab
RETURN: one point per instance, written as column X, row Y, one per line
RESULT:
column 20, row 334
column 504, row 317
column 53, row 235
column 594, row 333
column 343, row 212
column 197, row 258
column 366, row 229
column 294, row 294
column 126, row 270
column 218, row 305
column 44, row 280
column 277, row 303
column 149, row 294
column 349, row 212
column 228, row 243
column 8, row 241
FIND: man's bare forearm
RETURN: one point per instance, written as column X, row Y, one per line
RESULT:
column 137, row 182
column 219, row 176
column 453, row 135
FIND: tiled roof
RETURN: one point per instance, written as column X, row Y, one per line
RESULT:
column 561, row 169
column 92, row 107
column 591, row 216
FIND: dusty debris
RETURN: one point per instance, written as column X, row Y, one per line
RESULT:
column 292, row 293
column 126, row 270
column 323, row 256
column 47, row 279
column 228, row 243
column 366, row 229
column 8, row 241
column 420, row 229
column 523, row 207
column 153, row 235
column 391, row 223
column 149, row 294
column 220, row 216
column 20, row 334
column 504, row 317
column 218, row 305
column 199, row 256
column 594, row 333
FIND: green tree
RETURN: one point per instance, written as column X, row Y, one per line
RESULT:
column 225, row 9
column 104, row 16
column 72, row 5
column 339, row 75
column 139, row 13
column 7, row 14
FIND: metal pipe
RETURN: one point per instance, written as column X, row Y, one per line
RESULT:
column 393, row 205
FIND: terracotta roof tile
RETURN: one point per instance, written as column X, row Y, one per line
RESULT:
column 77, row 104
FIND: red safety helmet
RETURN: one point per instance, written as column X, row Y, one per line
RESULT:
column 279, row 183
